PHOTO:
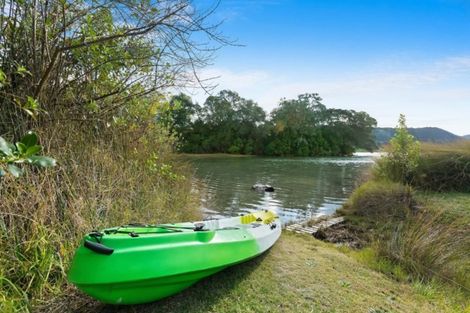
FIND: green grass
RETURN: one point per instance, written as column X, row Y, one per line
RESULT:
column 455, row 205
column 444, row 167
column 299, row 274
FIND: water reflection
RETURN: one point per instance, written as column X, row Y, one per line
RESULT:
column 305, row 187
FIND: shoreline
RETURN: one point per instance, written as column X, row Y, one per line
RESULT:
column 219, row 154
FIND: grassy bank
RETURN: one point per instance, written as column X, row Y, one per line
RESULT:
column 425, row 233
column 299, row 274
column 416, row 213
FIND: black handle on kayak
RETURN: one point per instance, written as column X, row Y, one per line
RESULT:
column 98, row 247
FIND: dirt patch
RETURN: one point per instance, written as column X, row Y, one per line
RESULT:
column 344, row 234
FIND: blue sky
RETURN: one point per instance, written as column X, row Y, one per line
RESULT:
column 382, row 57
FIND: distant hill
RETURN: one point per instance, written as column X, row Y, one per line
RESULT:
column 466, row 137
column 382, row 135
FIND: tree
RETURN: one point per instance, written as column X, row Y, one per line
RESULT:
column 88, row 59
column 350, row 129
column 299, row 114
column 403, row 153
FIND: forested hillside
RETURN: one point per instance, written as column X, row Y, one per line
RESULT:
column 383, row 135
column 304, row 126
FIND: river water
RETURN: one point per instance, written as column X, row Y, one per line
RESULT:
column 304, row 187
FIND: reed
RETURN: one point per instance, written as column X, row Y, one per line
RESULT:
column 429, row 245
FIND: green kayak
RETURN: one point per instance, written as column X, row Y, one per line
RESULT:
column 142, row 263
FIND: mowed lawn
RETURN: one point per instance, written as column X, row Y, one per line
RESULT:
column 299, row 274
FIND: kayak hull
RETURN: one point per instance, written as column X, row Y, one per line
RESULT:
column 145, row 264
column 144, row 291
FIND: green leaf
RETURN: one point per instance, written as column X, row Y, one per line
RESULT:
column 21, row 147
column 33, row 150
column 3, row 78
column 4, row 147
column 92, row 106
column 31, row 103
column 15, row 170
column 21, row 70
column 30, row 139
column 42, row 161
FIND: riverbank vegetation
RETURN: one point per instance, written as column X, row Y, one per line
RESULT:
column 89, row 79
column 229, row 123
column 416, row 208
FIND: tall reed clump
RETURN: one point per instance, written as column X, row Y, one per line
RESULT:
column 106, row 175
column 380, row 200
column 429, row 245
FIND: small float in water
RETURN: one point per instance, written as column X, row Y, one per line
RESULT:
column 137, row 263
column 263, row 187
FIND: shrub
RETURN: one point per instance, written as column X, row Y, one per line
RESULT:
column 402, row 156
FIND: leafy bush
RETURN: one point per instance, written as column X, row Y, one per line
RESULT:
column 435, row 167
column 24, row 151
column 429, row 239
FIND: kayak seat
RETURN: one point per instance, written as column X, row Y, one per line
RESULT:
column 247, row 219
column 265, row 217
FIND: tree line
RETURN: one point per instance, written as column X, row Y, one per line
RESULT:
column 229, row 123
